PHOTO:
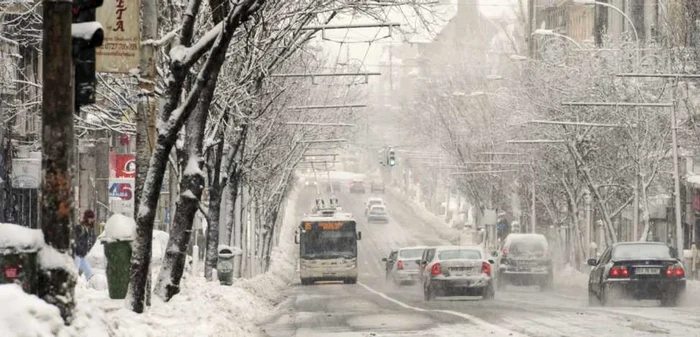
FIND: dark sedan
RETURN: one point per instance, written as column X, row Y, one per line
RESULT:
column 637, row 270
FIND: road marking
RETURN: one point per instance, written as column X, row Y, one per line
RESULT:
column 473, row 319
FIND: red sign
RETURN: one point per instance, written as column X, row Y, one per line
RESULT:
column 125, row 165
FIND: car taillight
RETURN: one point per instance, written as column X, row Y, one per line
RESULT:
column 675, row 271
column 486, row 268
column 619, row 271
column 399, row 265
column 505, row 251
column 435, row 269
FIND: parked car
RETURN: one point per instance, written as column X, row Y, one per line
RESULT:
column 357, row 186
column 456, row 271
column 638, row 270
column 525, row 260
column 372, row 202
column 377, row 213
column 377, row 186
column 401, row 267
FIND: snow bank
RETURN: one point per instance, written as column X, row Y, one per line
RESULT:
column 207, row 308
column 29, row 316
column 119, row 228
column 438, row 223
column 18, row 239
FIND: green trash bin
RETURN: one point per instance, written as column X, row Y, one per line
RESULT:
column 19, row 247
column 118, row 254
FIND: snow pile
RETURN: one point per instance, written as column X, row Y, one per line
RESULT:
column 18, row 239
column 50, row 258
column 29, row 316
column 207, row 308
column 119, row 228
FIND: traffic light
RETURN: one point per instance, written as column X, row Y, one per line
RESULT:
column 87, row 35
column 391, row 158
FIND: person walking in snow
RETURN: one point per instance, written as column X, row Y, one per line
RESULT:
column 84, row 239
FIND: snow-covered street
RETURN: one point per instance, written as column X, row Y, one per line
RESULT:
column 374, row 307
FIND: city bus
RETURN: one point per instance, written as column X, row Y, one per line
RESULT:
column 328, row 247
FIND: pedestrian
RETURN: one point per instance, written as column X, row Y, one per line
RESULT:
column 84, row 239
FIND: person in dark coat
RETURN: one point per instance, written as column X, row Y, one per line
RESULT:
column 84, row 239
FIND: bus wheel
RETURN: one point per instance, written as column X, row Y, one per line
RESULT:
column 350, row 280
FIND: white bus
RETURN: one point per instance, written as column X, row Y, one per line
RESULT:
column 328, row 247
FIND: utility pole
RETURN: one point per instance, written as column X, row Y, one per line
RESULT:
column 56, row 285
column 145, row 142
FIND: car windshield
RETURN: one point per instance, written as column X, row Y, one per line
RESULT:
column 641, row 252
column 375, row 202
column 527, row 247
column 378, row 209
column 454, row 254
column 411, row 253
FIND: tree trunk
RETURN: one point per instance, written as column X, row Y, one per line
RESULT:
column 215, row 193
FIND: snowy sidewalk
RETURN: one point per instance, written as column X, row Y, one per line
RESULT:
column 202, row 309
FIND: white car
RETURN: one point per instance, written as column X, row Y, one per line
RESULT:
column 372, row 202
column 401, row 266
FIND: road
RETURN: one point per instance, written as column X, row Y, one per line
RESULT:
column 373, row 307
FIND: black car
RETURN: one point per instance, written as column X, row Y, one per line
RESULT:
column 525, row 260
column 638, row 270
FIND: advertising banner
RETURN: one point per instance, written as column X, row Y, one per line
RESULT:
column 121, row 196
column 120, row 50
column 124, row 166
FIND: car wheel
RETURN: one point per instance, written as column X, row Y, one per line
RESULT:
column 607, row 296
column 670, row 300
column 428, row 293
column 489, row 293
column 593, row 300
column 546, row 282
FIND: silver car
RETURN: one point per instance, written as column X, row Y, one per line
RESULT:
column 401, row 267
column 456, row 271
column 377, row 213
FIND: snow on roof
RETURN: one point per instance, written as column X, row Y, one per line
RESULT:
column 18, row 239
column 338, row 216
column 119, row 228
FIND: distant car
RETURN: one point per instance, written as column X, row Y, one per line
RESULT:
column 401, row 266
column 310, row 183
column 377, row 186
column 371, row 202
column 357, row 186
column 640, row 270
column 525, row 260
column 377, row 213
column 456, row 271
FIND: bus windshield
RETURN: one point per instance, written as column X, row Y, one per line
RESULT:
column 319, row 244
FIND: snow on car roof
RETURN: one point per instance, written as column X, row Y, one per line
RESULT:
column 523, row 237
column 414, row 247
column 375, row 199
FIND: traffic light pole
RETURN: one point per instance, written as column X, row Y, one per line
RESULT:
column 56, row 286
